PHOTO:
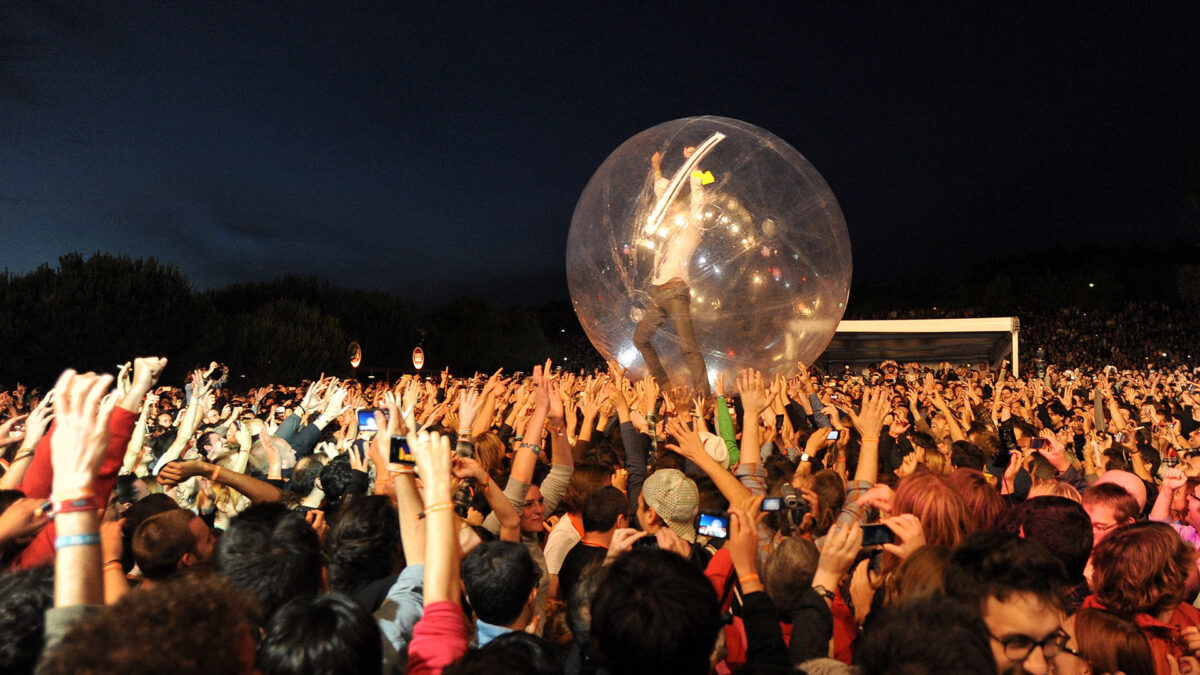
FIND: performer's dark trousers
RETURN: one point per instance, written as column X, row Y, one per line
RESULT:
column 672, row 299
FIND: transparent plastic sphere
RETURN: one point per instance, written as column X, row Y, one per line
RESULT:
column 732, row 254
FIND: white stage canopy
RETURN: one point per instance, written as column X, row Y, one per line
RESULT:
column 926, row 341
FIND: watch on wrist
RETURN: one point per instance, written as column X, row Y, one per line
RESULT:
column 824, row 592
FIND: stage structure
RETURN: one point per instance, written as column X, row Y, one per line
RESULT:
column 925, row 341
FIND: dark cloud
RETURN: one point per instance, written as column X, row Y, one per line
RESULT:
column 438, row 150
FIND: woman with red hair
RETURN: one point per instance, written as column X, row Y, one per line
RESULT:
column 1140, row 573
column 945, row 518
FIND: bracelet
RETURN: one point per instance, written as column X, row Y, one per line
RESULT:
column 535, row 449
column 437, row 507
column 464, row 432
column 90, row 539
column 111, row 563
column 83, row 493
column 868, row 439
column 747, row 578
column 216, row 472
column 74, row 506
column 487, row 482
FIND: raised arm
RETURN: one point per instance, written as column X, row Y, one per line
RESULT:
column 440, row 636
column 754, row 401
column 530, row 447
column 77, row 448
column 869, row 422
column 187, row 425
column 408, row 496
column 690, row 446
column 492, row 389
column 35, row 428
column 257, row 491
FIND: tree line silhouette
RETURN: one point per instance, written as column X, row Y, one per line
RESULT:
column 96, row 312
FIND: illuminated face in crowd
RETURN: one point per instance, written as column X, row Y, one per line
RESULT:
column 1104, row 520
column 1025, row 633
column 533, row 512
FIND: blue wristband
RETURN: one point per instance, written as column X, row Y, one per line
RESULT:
column 537, row 449
column 92, row 539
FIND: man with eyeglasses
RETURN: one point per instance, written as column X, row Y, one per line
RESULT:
column 1014, row 584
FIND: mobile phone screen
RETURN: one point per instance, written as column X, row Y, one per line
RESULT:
column 399, row 452
column 833, row 435
column 771, row 504
column 366, row 420
column 713, row 525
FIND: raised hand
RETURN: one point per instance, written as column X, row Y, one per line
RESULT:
column 688, row 441
column 908, row 465
column 881, row 497
column 754, row 394
column 1055, row 452
column 908, row 533
column 124, row 379
column 336, row 405
column 80, row 435
column 1174, row 479
column 541, row 388
column 468, row 467
column 869, row 418
column 358, row 459
column 650, row 392
column 743, row 539
column 842, row 545
column 412, row 393
column 556, row 412
column 316, row 519
column 312, row 397
column 174, row 473
column 468, row 409
column 433, row 457
column 38, row 422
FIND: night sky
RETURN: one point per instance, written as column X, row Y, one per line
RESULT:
column 434, row 151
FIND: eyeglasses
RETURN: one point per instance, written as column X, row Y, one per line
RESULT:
column 1018, row 647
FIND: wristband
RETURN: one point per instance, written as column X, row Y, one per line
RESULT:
column 216, row 472
column 747, row 578
column 868, row 439
column 90, row 539
column 74, row 506
column 535, row 449
column 464, row 432
column 487, row 481
column 115, row 564
column 84, row 493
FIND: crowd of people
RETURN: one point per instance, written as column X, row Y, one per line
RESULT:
column 909, row 519
column 1137, row 335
